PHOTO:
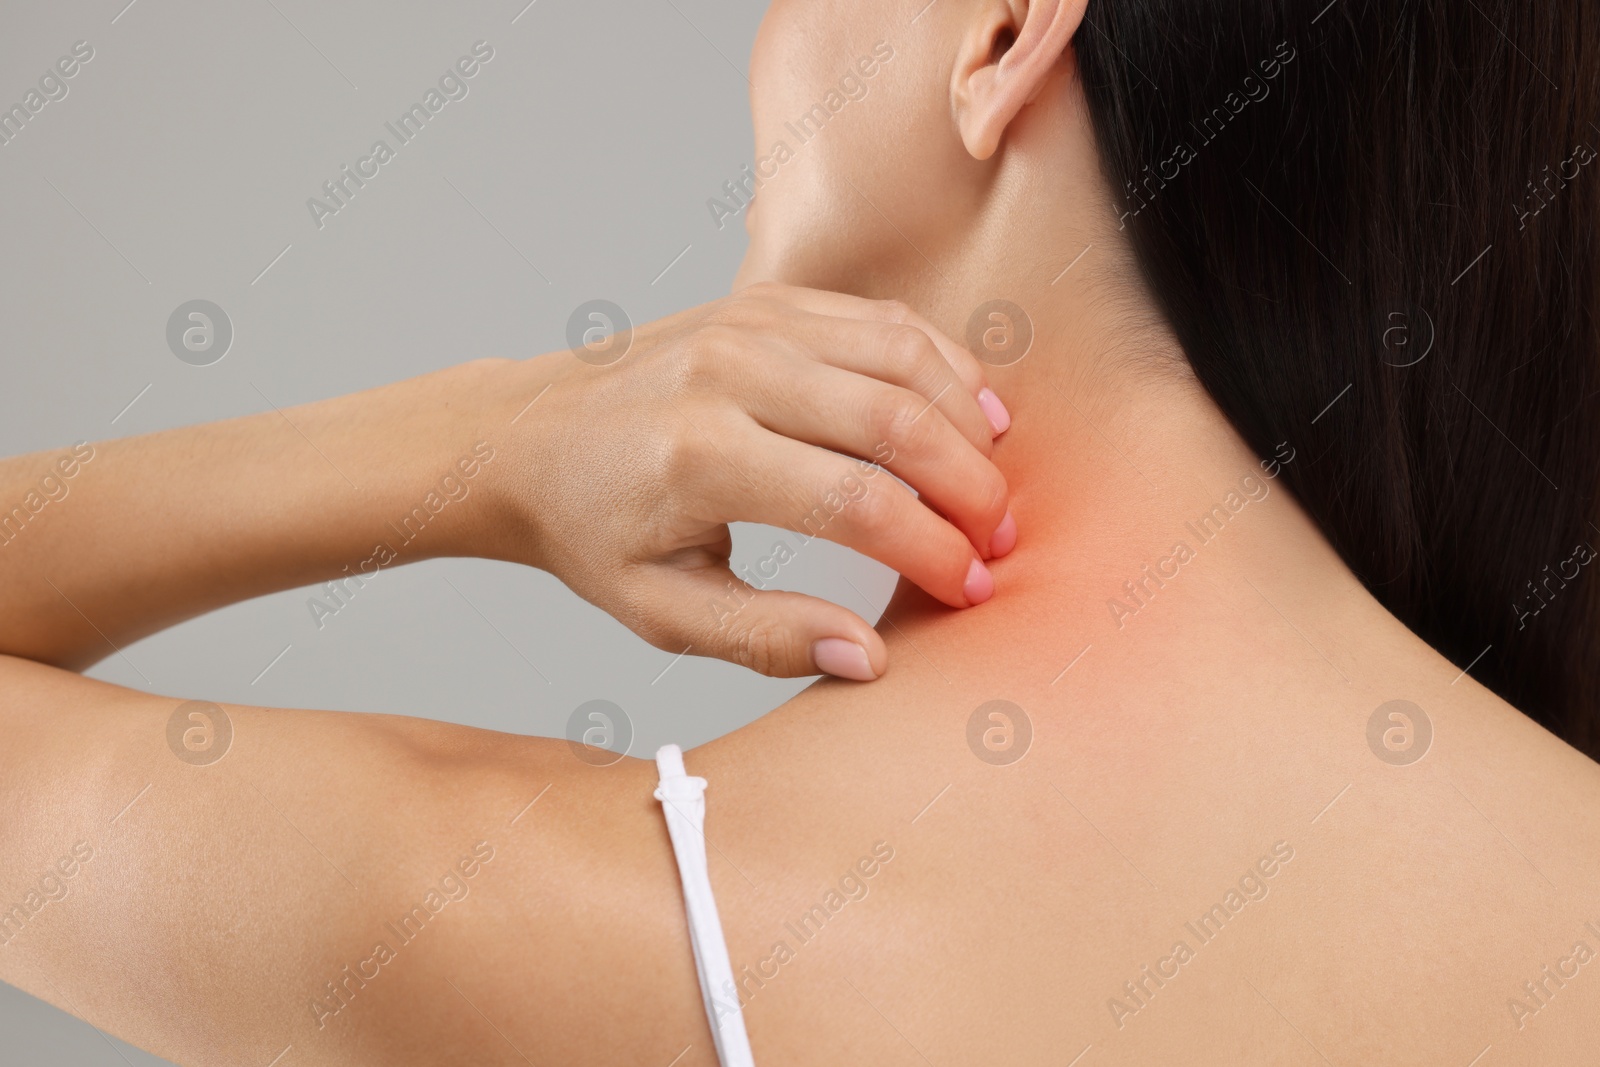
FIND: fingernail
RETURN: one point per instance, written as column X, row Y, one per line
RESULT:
column 979, row 585
column 999, row 417
column 1004, row 538
column 842, row 659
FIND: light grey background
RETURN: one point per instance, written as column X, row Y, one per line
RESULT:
column 178, row 167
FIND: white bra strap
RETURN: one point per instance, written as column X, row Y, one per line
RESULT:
column 684, row 803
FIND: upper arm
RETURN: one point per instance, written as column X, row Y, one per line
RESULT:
column 361, row 888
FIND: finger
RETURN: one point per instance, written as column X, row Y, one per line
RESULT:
column 895, row 428
column 898, row 354
column 816, row 493
column 709, row 611
column 966, row 366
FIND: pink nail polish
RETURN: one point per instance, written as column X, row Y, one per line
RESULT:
column 999, row 417
column 842, row 659
column 1004, row 538
column 979, row 585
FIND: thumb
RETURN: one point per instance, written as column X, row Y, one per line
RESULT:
column 772, row 632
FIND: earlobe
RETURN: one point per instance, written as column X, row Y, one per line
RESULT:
column 978, row 118
column 1005, row 62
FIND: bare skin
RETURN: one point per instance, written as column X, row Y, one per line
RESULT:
column 1180, row 750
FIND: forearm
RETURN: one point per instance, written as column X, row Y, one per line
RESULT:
column 147, row 531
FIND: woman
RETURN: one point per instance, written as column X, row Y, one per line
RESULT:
column 1168, row 750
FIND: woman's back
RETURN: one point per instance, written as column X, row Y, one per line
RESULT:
column 1178, row 858
column 1252, row 819
column 1207, row 865
column 1182, row 791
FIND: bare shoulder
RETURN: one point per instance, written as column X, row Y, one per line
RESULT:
column 1233, row 854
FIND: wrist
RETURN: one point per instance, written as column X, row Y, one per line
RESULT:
column 510, row 404
column 432, row 463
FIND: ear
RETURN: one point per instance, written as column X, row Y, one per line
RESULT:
column 1006, row 58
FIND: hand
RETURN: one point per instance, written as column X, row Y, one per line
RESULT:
column 749, row 409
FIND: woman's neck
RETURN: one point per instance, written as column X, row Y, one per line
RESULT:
column 1139, row 506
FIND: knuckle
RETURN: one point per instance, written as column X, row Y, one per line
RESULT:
column 728, row 311
column 907, row 352
column 680, row 451
column 764, row 647
column 993, row 493
column 896, row 419
column 874, row 509
column 653, row 630
column 753, row 303
column 761, row 291
column 633, row 606
column 700, row 363
column 718, row 338
column 894, row 310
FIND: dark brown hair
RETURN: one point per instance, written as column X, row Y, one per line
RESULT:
column 1372, row 226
